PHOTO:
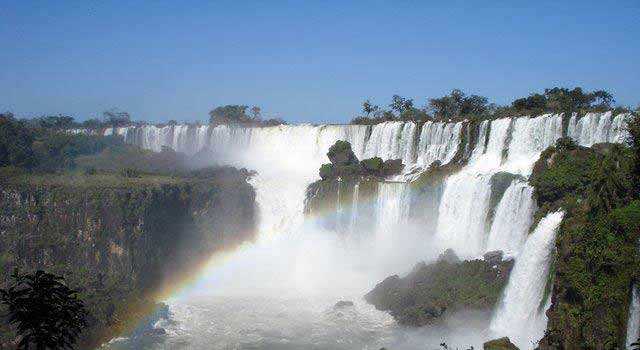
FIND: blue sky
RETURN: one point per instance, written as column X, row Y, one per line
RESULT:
column 304, row 60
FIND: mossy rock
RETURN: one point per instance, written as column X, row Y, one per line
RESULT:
column 341, row 154
column 372, row 165
column 596, row 259
column 430, row 291
column 499, row 344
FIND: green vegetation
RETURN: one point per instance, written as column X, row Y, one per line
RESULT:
column 499, row 344
column 345, row 164
column 46, row 313
column 458, row 105
column 448, row 285
column 125, row 237
column 46, row 149
column 596, row 249
column 241, row 115
column 139, row 218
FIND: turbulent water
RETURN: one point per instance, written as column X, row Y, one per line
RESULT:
column 279, row 292
column 519, row 315
column 633, row 324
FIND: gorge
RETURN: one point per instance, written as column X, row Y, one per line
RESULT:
column 464, row 187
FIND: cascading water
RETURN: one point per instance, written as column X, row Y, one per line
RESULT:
column 518, row 316
column 294, row 254
column 633, row 323
column 465, row 201
column 597, row 127
column 354, row 209
column 392, row 210
column 438, row 141
column 512, row 219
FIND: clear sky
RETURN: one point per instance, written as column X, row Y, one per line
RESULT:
column 304, row 60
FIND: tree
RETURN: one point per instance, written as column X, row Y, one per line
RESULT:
column 256, row 113
column 368, row 108
column 633, row 128
column 15, row 143
column 229, row 114
column 115, row 117
column 400, row 104
column 56, row 122
column 46, row 313
column 458, row 104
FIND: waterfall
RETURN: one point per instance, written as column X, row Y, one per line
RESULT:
column 518, row 316
column 633, row 324
column 392, row 209
column 529, row 138
column 392, row 140
column 287, row 158
column 438, row 141
column 465, row 201
column 463, row 212
column 354, row 208
column 512, row 219
column 594, row 128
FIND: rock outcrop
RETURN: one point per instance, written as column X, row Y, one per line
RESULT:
column 596, row 259
column 499, row 344
column 430, row 291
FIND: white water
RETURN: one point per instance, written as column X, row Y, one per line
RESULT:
column 512, row 219
column 354, row 209
column 278, row 293
column 633, row 323
column 518, row 315
column 597, row 127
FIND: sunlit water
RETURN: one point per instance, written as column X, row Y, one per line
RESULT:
column 280, row 291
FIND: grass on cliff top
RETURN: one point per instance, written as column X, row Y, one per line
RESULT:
column 80, row 179
column 94, row 180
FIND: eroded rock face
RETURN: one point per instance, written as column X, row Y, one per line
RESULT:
column 118, row 239
column 430, row 291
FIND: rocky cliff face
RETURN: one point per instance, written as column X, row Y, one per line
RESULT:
column 118, row 241
column 596, row 258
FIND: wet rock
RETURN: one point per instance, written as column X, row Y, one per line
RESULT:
column 449, row 256
column 155, row 332
column 343, row 304
column 493, row 257
column 499, row 344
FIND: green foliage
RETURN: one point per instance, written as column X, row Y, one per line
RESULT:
column 563, row 100
column 596, row 247
column 345, row 164
column 457, row 104
column 447, row 285
column 372, row 165
column 327, row 171
column 340, row 154
column 571, row 172
column 116, row 118
column 230, row 114
column 633, row 127
column 46, row 313
column 15, row 143
column 241, row 115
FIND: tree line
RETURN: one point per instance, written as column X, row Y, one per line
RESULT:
column 458, row 105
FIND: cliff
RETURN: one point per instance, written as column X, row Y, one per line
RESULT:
column 120, row 240
column 596, row 258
